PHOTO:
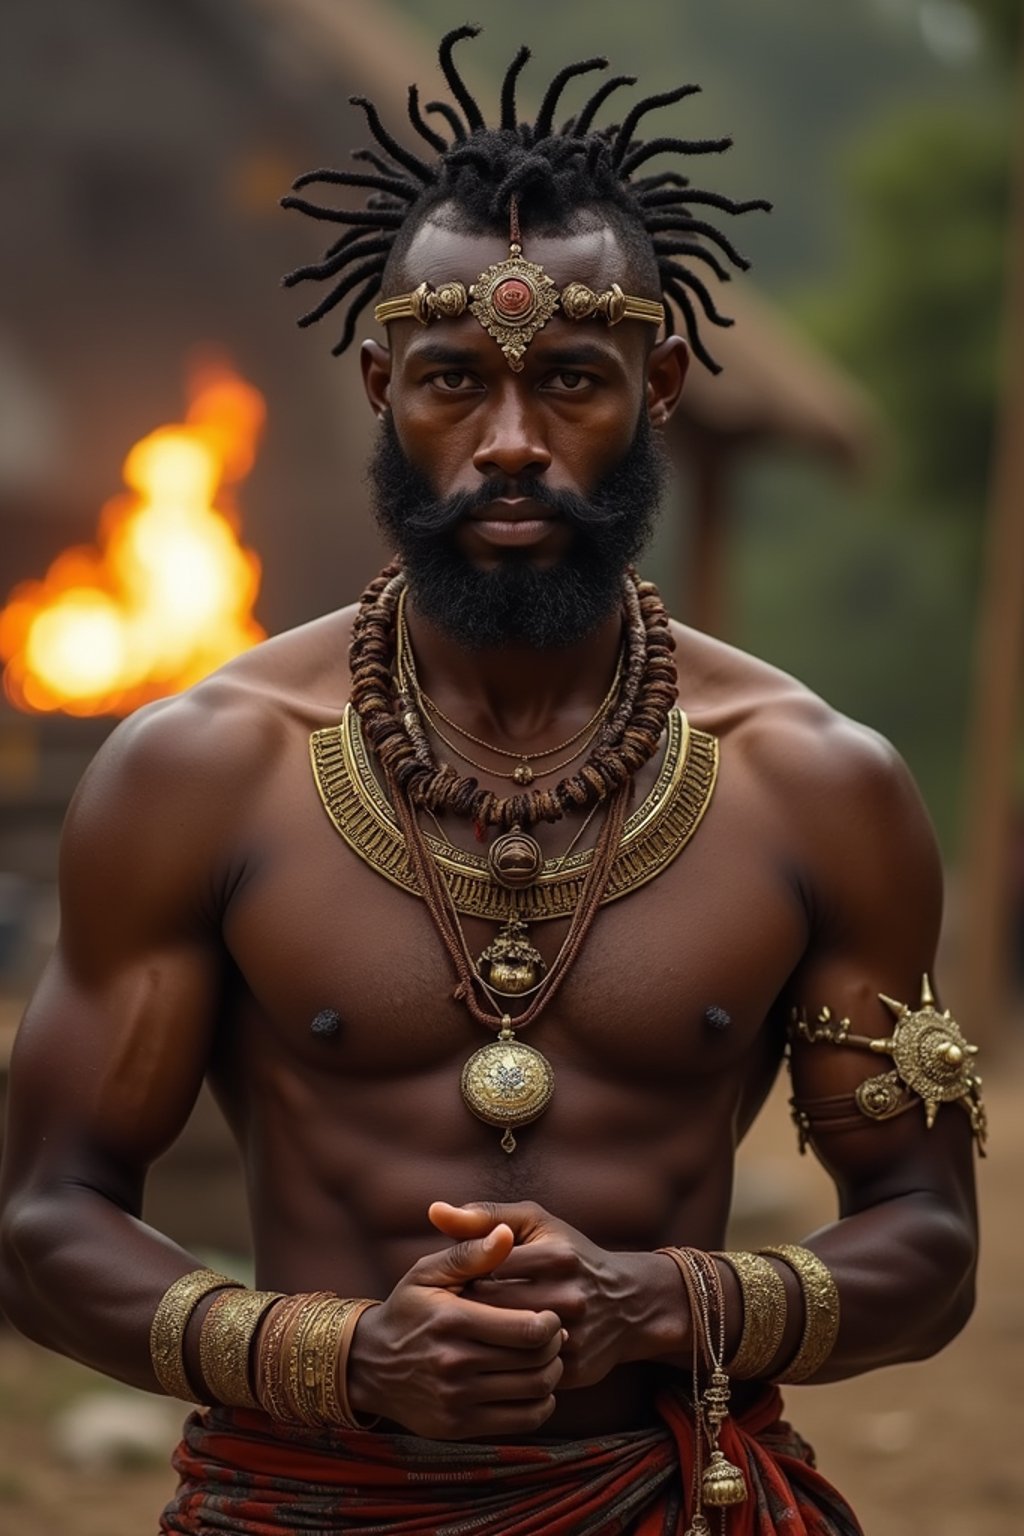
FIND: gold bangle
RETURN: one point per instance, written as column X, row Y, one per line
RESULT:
column 346, row 1416
column 268, row 1374
column 764, row 1314
column 167, row 1330
column 821, row 1311
column 225, row 1344
column 303, row 1357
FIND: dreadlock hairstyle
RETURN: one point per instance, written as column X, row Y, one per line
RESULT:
column 552, row 172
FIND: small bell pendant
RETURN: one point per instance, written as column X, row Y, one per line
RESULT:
column 722, row 1482
column 698, row 1527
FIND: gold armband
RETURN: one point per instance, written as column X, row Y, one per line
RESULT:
column 764, row 1314
column 167, row 1331
column 931, row 1064
column 821, row 1311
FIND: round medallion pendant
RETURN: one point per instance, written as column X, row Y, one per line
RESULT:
column 523, row 774
column 507, row 1083
column 515, row 859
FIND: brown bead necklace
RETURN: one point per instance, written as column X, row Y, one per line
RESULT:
column 506, row 1083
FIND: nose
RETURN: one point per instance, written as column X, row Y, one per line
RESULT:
column 512, row 443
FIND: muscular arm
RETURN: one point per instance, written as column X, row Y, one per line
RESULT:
column 112, row 1051
column 904, row 1248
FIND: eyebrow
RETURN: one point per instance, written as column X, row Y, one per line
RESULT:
column 570, row 354
column 576, row 354
column 444, row 352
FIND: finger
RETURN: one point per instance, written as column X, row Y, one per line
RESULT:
column 519, row 1386
column 503, row 1328
column 529, row 1261
column 524, row 1217
column 461, row 1221
column 521, row 1295
column 484, row 1359
column 465, row 1261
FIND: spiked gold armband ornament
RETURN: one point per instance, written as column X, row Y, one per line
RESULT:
column 514, row 299
column 932, row 1061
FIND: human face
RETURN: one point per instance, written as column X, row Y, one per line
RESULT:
column 517, row 499
column 464, row 418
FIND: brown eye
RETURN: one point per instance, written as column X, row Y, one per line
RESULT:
column 570, row 380
column 452, row 380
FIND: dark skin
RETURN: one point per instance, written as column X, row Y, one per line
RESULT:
column 210, row 911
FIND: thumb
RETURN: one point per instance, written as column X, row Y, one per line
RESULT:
column 465, row 1261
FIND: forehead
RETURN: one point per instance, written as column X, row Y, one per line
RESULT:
column 437, row 254
column 594, row 256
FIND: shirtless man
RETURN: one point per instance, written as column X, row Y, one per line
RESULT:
column 211, row 912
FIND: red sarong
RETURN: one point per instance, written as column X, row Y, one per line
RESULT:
column 241, row 1473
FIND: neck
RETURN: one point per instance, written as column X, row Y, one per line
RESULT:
column 516, row 695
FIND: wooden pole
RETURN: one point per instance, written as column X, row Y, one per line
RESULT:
column 706, row 581
column 999, row 667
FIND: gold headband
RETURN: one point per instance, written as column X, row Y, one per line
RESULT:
column 513, row 300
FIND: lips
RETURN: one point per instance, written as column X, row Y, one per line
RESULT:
column 513, row 509
column 513, row 522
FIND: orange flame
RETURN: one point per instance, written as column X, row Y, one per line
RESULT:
column 167, row 596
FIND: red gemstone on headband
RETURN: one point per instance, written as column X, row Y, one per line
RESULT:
column 512, row 298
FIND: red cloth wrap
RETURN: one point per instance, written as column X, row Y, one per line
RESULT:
column 243, row 1474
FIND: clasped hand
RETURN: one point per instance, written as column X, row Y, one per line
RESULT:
column 473, row 1341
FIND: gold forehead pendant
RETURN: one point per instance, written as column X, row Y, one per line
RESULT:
column 514, row 299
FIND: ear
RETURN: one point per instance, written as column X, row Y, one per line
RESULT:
column 666, row 372
column 375, row 362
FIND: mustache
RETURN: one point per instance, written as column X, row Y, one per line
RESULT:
column 441, row 515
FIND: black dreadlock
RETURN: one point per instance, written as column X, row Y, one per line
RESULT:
column 552, row 173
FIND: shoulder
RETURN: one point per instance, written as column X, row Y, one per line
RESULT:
column 839, row 794
column 189, row 763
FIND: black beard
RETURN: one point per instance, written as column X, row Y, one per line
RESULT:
column 517, row 603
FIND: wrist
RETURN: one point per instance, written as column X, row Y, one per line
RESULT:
column 365, row 1394
column 661, row 1328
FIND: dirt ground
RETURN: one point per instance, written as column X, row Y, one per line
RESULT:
column 924, row 1450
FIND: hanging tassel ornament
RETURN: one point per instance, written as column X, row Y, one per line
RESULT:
column 723, row 1483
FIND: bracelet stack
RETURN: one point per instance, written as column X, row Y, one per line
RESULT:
column 719, row 1483
column 261, row 1349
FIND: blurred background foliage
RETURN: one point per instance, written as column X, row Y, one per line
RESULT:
column 881, row 132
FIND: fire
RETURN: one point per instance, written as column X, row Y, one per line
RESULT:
column 167, row 595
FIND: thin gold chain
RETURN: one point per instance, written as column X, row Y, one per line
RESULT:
column 500, row 773
column 407, row 663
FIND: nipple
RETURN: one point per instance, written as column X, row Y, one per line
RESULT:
column 717, row 1017
column 326, row 1023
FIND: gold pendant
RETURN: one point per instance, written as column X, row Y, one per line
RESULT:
column 513, row 300
column 722, row 1484
column 507, row 1083
column 515, row 859
column 510, row 965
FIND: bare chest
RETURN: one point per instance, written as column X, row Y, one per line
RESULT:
column 668, row 993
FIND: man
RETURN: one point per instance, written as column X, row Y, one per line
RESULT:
column 657, row 917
